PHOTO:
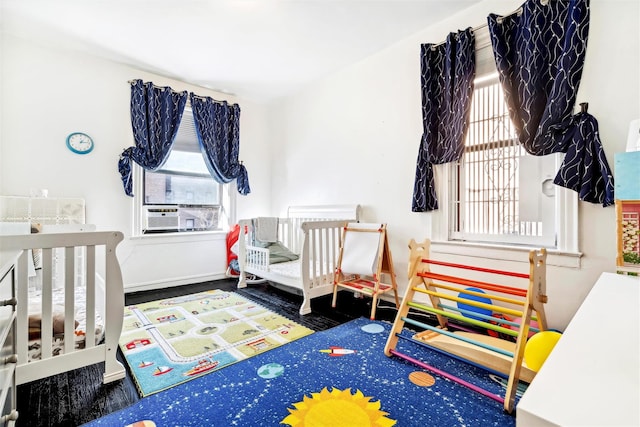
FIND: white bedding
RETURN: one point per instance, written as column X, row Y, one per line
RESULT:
column 287, row 269
column 292, row 269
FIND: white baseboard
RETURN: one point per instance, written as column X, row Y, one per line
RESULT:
column 149, row 286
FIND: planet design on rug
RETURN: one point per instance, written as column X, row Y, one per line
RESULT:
column 422, row 379
column 270, row 370
column 373, row 328
column 143, row 423
column 338, row 407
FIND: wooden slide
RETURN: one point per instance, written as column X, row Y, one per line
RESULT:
column 476, row 354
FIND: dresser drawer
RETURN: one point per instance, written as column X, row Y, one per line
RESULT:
column 7, row 397
column 7, row 301
column 7, row 375
column 8, row 359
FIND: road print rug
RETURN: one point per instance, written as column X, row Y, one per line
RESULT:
column 171, row 341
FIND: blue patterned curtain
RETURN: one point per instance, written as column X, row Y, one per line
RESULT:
column 155, row 116
column 540, row 55
column 218, row 129
column 447, row 74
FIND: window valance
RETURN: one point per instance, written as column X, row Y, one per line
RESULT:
column 156, row 112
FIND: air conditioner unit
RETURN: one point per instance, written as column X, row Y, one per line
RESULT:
column 162, row 218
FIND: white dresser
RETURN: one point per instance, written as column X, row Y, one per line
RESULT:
column 8, row 357
column 592, row 376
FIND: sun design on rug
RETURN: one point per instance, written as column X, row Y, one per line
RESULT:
column 337, row 408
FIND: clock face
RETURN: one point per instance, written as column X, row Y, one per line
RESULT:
column 80, row 143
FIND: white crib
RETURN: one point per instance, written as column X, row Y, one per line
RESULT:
column 311, row 232
column 102, row 286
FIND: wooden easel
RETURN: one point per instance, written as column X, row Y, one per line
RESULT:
column 364, row 257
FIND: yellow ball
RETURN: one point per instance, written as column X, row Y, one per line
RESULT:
column 539, row 347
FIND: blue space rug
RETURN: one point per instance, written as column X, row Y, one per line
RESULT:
column 322, row 377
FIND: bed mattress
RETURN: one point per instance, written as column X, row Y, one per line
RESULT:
column 287, row 269
column 291, row 269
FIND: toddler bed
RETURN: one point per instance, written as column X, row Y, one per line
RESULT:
column 67, row 304
column 307, row 243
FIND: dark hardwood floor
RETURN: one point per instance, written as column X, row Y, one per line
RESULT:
column 77, row 397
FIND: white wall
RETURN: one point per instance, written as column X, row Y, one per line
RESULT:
column 354, row 137
column 49, row 92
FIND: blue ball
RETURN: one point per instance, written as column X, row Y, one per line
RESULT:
column 479, row 310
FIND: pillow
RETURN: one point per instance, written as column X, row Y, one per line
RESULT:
column 280, row 253
column 259, row 244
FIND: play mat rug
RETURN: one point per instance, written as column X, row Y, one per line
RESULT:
column 171, row 341
column 336, row 377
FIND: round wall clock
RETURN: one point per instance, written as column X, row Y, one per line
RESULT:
column 80, row 143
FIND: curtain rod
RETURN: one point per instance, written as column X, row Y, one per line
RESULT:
column 518, row 12
column 131, row 82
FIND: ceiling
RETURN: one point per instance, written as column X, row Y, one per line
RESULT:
column 256, row 49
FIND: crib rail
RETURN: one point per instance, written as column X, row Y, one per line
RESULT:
column 100, row 252
column 318, row 247
column 290, row 233
column 311, row 232
column 321, row 245
column 317, row 243
column 257, row 258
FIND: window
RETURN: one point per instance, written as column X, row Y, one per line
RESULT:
column 183, row 180
column 181, row 196
column 498, row 194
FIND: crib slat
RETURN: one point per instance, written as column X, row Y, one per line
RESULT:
column 313, row 234
column 69, row 299
column 22, row 291
column 89, row 338
column 325, row 261
column 46, row 324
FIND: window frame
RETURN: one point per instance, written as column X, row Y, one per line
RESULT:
column 566, row 252
column 480, row 154
column 164, row 172
column 226, row 200
column 226, row 218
